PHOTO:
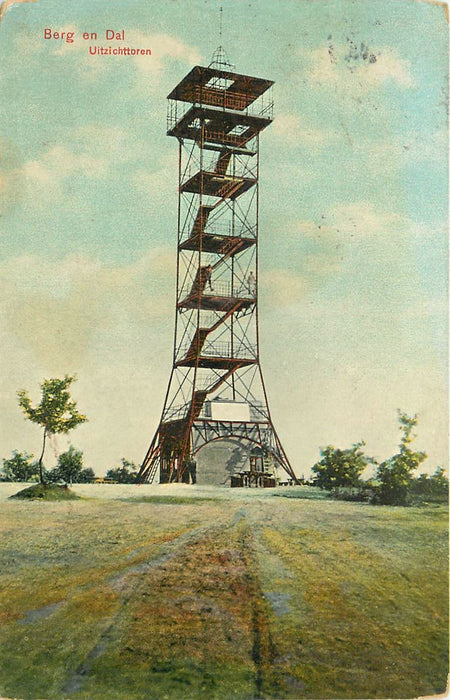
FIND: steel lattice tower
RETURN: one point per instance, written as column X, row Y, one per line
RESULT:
column 216, row 388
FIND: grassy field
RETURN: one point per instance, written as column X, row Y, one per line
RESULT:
column 193, row 592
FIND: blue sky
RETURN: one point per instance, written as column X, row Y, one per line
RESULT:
column 353, row 215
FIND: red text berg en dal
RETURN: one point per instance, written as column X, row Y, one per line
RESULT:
column 110, row 35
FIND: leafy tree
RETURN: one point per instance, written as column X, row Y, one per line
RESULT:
column 70, row 469
column 70, row 465
column 394, row 476
column 126, row 474
column 86, row 476
column 339, row 468
column 431, row 488
column 439, row 482
column 56, row 412
column 20, row 467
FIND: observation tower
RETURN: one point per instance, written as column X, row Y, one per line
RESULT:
column 216, row 389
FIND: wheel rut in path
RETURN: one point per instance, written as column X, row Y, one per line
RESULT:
column 127, row 585
column 205, row 590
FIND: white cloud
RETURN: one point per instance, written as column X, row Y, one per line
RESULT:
column 360, row 70
column 59, row 162
column 282, row 288
column 360, row 220
column 361, row 246
column 58, row 309
column 122, row 145
column 45, row 177
column 403, row 150
column 159, row 182
column 291, row 129
column 10, row 188
column 388, row 67
column 164, row 48
column 329, row 238
column 84, row 154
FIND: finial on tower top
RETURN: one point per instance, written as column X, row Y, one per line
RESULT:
column 219, row 58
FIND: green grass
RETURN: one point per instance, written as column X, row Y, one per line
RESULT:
column 364, row 606
column 46, row 492
column 170, row 500
column 306, row 492
column 230, row 598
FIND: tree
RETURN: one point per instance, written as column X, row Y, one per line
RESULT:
column 126, row 474
column 56, row 412
column 86, row 476
column 340, row 467
column 70, row 466
column 20, row 467
column 70, row 469
column 394, row 476
column 432, row 487
column 439, row 482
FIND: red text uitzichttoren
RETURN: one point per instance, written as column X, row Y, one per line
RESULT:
column 110, row 35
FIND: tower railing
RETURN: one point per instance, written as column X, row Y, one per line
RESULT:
column 223, row 228
column 224, row 102
column 223, row 289
column 221, row 349
column 241, row 171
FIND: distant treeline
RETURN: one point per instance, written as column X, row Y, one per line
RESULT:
column 339, row 472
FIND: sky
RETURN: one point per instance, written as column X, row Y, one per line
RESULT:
column 353, row 216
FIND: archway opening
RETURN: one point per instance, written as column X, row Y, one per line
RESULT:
column 219, row 460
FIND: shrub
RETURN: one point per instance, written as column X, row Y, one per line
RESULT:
column 20, row 467
column 340, row 468
column 125, row 474
column 395, row 475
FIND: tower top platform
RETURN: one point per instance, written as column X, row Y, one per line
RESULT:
column 216, row 87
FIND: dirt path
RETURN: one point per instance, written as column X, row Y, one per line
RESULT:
column 186, row 615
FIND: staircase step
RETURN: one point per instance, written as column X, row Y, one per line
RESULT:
column 222, row 163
